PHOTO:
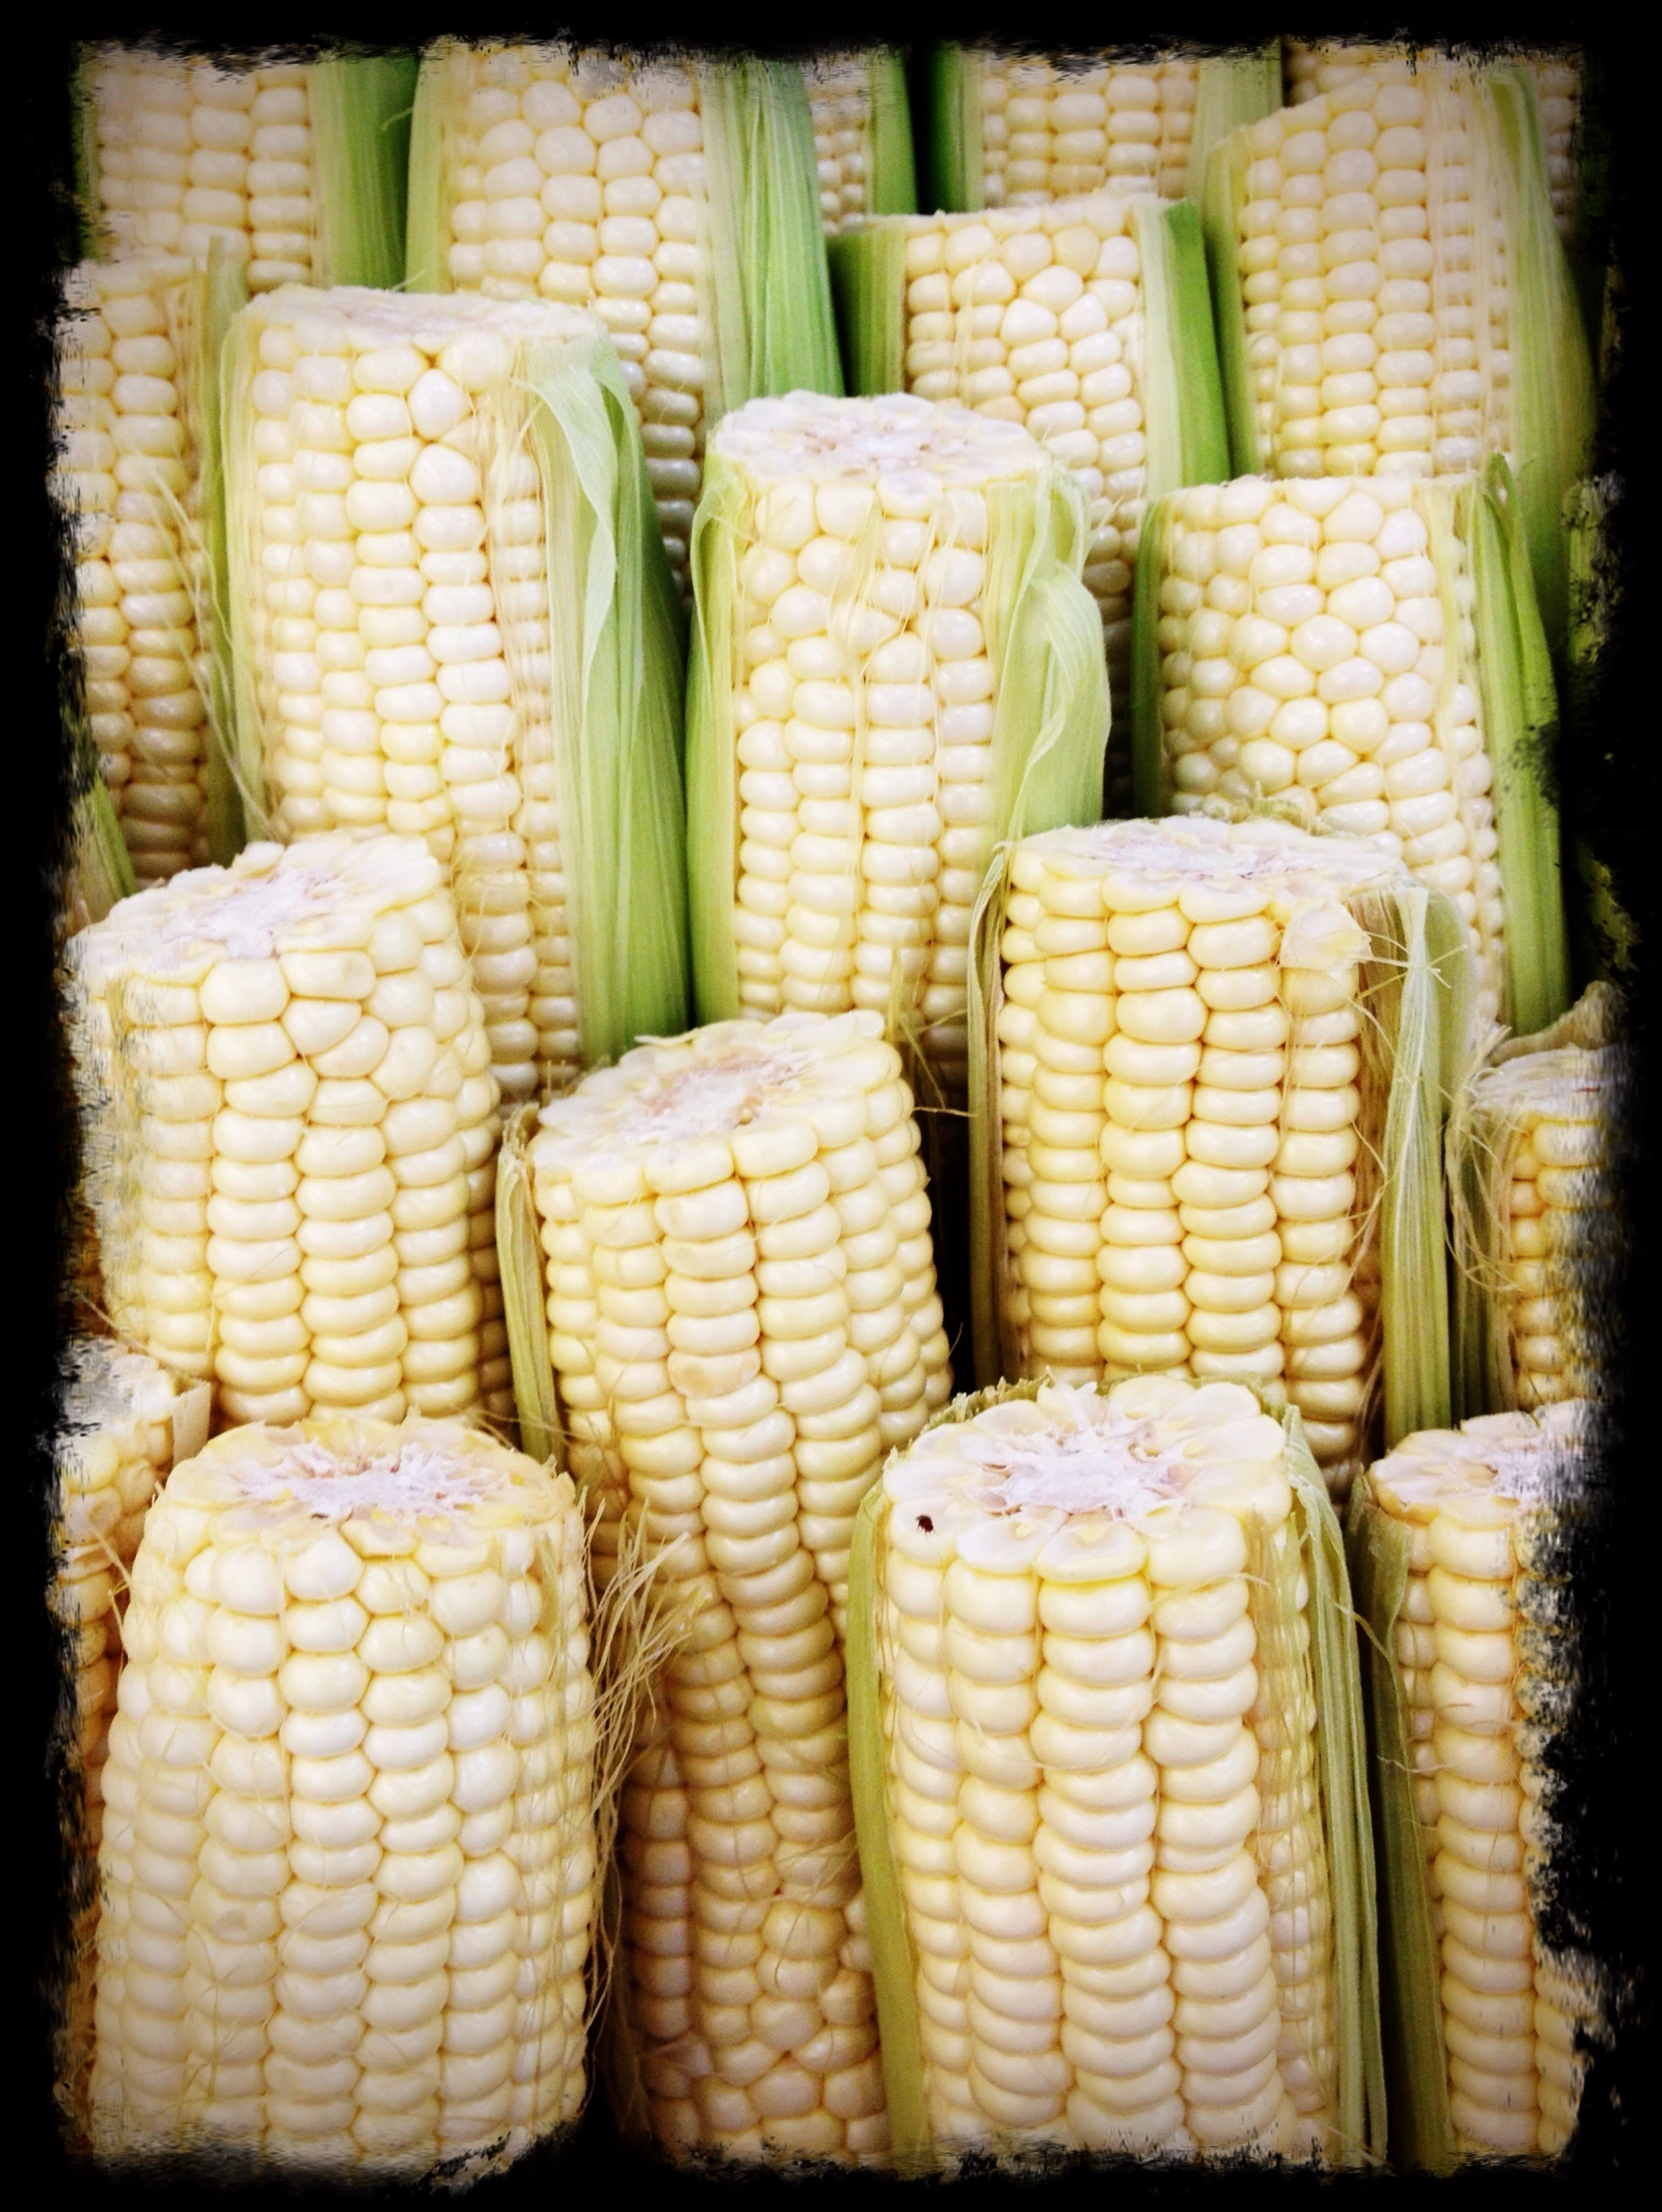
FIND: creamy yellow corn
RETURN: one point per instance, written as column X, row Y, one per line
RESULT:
column 1485, row 1674
column 839, row 98
column 124, row 1424
column 347, row 1861
column 1051, row 129
column 743, row 1320
column 131, row 476
column 1191, row 1110
column 1097, row 1713
column 1316, row 644
column 290, row 1127
column 389, row 532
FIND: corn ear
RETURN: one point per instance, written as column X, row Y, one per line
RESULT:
column 519, row 1256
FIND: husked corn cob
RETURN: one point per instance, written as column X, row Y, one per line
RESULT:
column 124, row 1422
column 676, row 200
column 294, row 170
column 415, row 552
column 290, row 1127
column 1113, row 1834
column 889, row 618
column 1185, row 1123
column 1455, row 1540
column 1352, row 647
column 1089, row 322
column 139, row 341
column 1536, row 1239
column 742, row 1320
column 1312, row 70
column 862, row 136
column 1400, row 304
column 349, row 1852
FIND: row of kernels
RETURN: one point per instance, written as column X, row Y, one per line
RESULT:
column 1050, row 133
column 1558, row 1188
column 190, row 153
column 839, row 100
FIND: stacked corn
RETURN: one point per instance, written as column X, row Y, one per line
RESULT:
column 677, row 201
column 1187, row 1123
column 1086, row 321
column 1312, row 70
column 1402, row 304
column 1111, row 1823
column 349, row 1857
column 290, row 1129
column 862, row 136
column 1353, row 647
column 415, row 557
column 894, row 665
column 1536, row 1235
column 742, row 1322
column 134, row 350
column 1456, row 1539
column 124, row 1425
column 294, row 170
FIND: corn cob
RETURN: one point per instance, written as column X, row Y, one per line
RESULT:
column 894, row 665
column 1197, row 1048
column 125, row 1424
column 1090, row 323
column 1368, row 650
column 862, row 136
column 742, row 1319
column 452, row 621
column 1535, row 1234
column 1111, row 1794
column 139, row 359
column 677, row 200
column 348, row 1855
column 1011, row 130
column 290, row 1127
column 1456, row 1541
column 1312, row 70
column 294, row 170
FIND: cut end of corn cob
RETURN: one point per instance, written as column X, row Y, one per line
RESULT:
column 289, row 1126
column 742, row 1320
column 1462, row 1528
column 894, row 662
column 1537, row 1236
column 419, row 486
column 348, row 1847
column 1109, row 1919
column 1185, row 1112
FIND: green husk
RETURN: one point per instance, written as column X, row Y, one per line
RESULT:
column 954, row 152
column 868, row 285
column 220, row 291
column 994, row 1352
column 891, row 168
column 239, row 366
column 1410, row 2006
column 1183, row 427
column 893, row 1965
column 361, row 147
column 616, row 700
column 519, row 1256
column 1343, row 1766
column 440, row 89
column 101, row 869
column 1151, row 794
column 1232, row 90
column 1220, row 201
column 769, row 285
column 1044, row 640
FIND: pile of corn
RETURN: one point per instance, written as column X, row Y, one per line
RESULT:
column 347, row 1861
column 1109, row 1817
column 290, row 1127
column 1457, row 1541
column 741, row 1320
column 125, row 1424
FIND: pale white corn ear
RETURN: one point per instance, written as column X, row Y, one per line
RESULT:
column 741, row 1319
column 862, row 136
column 1211, row 1064
column 1111, row 1824
column 349, row 1863
column 124, row 1424
column 1458, row 1543
column 289, row 1133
